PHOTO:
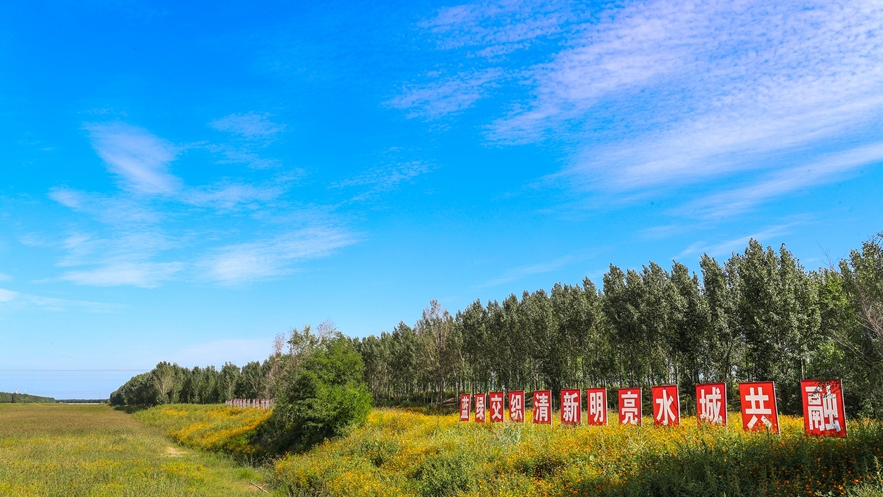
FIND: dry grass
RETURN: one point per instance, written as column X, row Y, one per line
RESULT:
column 70, row 450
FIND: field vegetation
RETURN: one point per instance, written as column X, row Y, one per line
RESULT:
column 415, row 452
column 74, row 450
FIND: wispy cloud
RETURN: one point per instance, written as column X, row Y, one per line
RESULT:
column 251, row 126
column 228, row 196
column 520, row 272
column 727, row 247
column 783, row 182
column 11, row 299
column 269, row 258
column 136, row 156
column 141, row 274
column 386, row 178
column 5, row 277
column 445, row 96
column 654, row 96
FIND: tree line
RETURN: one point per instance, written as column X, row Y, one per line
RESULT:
column 758, row 315
column 15, row 397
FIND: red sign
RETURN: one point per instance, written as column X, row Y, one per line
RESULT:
column 666, row 406
column 758, row 401
column 464, row 406
column 496, row 407
column 480, row 407
column 597, row 408
column 630, row 406
column 823, row 412
column 542, row 407
column 516, row 406
column 571, row 407
column 711, row 403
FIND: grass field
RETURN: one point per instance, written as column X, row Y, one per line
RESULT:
column 76, row 450
column 94, row 450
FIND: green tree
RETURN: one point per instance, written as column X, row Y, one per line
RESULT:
column 321, row 392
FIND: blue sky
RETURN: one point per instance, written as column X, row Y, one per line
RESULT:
column 184, row 182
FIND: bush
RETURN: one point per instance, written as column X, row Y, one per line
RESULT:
column 321, row 393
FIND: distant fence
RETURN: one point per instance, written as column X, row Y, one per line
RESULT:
column 252, row 403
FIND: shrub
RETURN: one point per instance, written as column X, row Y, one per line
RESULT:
column 321, row 393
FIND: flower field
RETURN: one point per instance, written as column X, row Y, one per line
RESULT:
column 210, row 427
column 407, row 452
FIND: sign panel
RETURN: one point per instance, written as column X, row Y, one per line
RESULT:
column 542, row 407
column 480, row 407
column 597, row 408
column 711, row 403
column 823, row 412
column 516, row 406
column 630, row 406
column 666, row 405
column 496, row 407
column 758, row 400
column 465, row 401
column 571, row 407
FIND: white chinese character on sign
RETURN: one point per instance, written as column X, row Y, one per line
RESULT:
column 569, row 407
column 666, row 415
column 541, row 408
column 711, row 406
column 597, row 407
column 497, row 407
column 516, row 410
column 823, row 410
column 630, row 407
column 479, row 407
column 758, row 406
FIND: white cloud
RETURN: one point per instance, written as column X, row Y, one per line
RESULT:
column 520, row 272
column 739, row 200
column 228, row 196
column 269, row 258
column 5, row 277
column 653, row 96
column 16, row 300
column 446, row 96
column 118, row 210
column 382, row 179
column 141, row 274
column 250, row 126
column 727, row 247
column 138, row 157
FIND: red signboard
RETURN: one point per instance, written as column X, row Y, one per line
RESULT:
column 666, row 406
column 758, row 401
column 823, row 412
column 711, row 403
column 480, row 407
column 630, row 406
column 571, row 407
column 542, row 407
column 496, row 407
column 465, row 400
column 597, row 406
column 516, row 406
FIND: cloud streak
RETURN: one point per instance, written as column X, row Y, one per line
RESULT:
column 137, row 157
column 655, row 96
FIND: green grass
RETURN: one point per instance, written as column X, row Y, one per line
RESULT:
column 72, row 450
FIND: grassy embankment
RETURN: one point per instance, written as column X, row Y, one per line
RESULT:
column 70, row 450
column 405, row 452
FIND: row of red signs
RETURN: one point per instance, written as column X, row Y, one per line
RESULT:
column 823, row 412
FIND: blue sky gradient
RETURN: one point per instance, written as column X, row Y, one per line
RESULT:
column 184, row 182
